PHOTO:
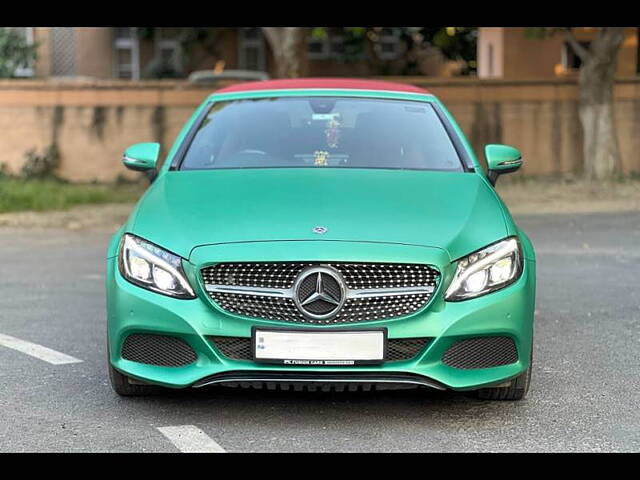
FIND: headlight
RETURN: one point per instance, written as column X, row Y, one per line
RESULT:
column 153, row 268
column 486, row 270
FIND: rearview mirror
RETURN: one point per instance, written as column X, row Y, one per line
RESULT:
column 141, row 156
column 501, row 159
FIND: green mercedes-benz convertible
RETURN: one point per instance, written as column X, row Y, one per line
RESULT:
column 321, row 234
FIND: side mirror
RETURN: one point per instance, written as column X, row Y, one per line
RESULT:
column 501, row 159
column 141, row 156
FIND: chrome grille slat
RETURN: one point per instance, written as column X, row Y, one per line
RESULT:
column 375, row 291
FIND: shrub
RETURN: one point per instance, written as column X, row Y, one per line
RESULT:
column 15, row 52
column 41, row 166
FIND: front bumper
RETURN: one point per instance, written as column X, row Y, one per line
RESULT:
column 507, row 312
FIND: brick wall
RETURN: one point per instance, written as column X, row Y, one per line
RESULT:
column 92, row 123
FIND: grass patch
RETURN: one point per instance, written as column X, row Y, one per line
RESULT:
column 41, row 195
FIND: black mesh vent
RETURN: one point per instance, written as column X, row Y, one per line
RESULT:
column 405, row 348
column 239, row 348
column 481, row 352
column 159, row 350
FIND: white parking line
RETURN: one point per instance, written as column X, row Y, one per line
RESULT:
column 190, row 439
column 93, row 276
column 38, row 351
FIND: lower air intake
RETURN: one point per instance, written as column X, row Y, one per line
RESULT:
column 161, row 350
column 398, row 349
column 236, row 348
column 481, row 352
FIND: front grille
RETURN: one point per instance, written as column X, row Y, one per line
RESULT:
column 159, row 350
column 357, row 277
column 267, row 275
column 481, row 352
column 398, row 349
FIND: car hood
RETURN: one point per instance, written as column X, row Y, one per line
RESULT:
column 455, row 211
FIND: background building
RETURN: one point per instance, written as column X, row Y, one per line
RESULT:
column 508, row 52
column 532, row 101
column 139, row 53
column 144, row 53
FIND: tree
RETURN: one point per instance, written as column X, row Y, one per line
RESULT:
column 596, row 80
column 451, row 43
column 288, row 45
column 289, row 48
column 15, row 52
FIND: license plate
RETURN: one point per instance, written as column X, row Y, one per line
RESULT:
column 335, row 348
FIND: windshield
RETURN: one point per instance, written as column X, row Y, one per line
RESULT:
column 322, row 132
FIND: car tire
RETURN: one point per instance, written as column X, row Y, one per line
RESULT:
column 516, row 391
column 121, row 385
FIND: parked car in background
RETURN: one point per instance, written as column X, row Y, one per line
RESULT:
column 213, row 78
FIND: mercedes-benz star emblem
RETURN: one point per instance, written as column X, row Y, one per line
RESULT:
column 319, row 292
column 320, row 230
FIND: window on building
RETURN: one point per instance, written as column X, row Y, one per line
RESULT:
column 127, row 53
column 571, row 61
column 330, row 46
column 318, row 48
column 389, row 44
column 27, row 34
column 251, row 55
column 337, row 45
column 63, row 51
column 490, row 63
column 167, row 46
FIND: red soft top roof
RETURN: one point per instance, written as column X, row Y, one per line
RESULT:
column 327, row 83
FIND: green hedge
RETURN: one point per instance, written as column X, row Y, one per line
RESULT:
column 41, row 195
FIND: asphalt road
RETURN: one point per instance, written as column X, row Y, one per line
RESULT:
column 584, row 396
